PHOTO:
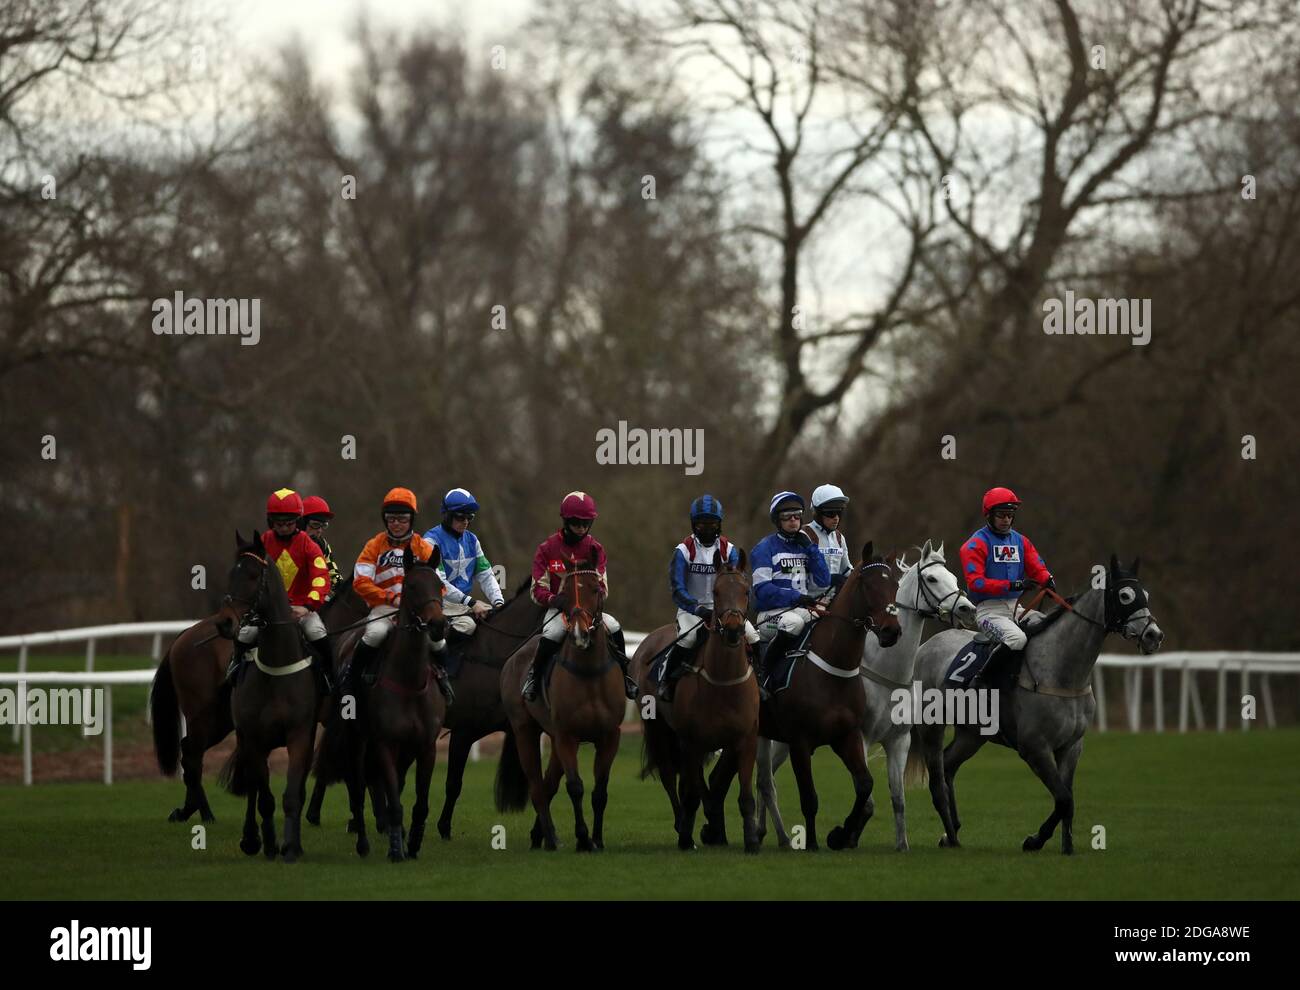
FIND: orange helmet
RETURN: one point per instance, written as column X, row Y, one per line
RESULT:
column 398, row 499
column 284, row 501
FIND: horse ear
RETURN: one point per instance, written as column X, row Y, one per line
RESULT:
column 866, row 551
column 407, row 562
column 940, row 551
column 742, row 562
column 435, row 557
column 1133, row 567
column 1114, row 564
column 925, row 550
column 239, row 540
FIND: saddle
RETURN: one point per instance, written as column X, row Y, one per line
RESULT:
column 780, row 669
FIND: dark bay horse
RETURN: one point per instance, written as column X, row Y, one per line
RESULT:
column 825, row 702
column 584, row 702
column 190, row 681
column 715, row 708
column 275, row 702
column 478, row 711
column 1045, row 708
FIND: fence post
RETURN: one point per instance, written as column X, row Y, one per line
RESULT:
column 1268, row 701
column 27, row 754
column 1099, row 689
column 1159, row 695
column 22, row 669
column 1184, row 695
column 108, row 734
column 157, row 647
column 1245, row 690
column 90, row 655
column 1223, row 693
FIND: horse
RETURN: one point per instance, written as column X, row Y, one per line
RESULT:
column 825, row 702
column 191, row 681
column 926, row 590
column 715, row 707
column 397, row 721
column 478, row 711
column 584, row 702
column 272, row 704
column 1046, row 712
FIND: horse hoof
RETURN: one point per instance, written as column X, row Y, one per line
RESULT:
column 270, row 850
column 207, row 816
column 311, row 819
column 836, row 839
column 363, row 846
column 1067, row 850
column 752, row 848
column 178, row 815
column 685, row 843
column 1031, row 844
column 902, row 847
column 289, row 856
column 250, row 847
column 412, row 854
column 444, row 830
column 585, row 846
column 395, row 857
column 353, row 826
column 783, row 842
column 711, row 836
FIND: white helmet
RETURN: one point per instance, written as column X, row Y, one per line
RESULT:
column 830, row 497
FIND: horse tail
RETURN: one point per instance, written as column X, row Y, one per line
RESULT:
column 234, row 776
column 649, row 759
column 511, row 788
column 332, row 751
column 914, row 771
column 165, row 714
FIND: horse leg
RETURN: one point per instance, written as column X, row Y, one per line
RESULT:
column 250, row 844
column 801, row 764
column 746, row 752
column 605, row 753
column 457, row 757
column 964, row 745
column 776, row 755
column 932, row 748
column 528, row 741
column 392, row 801
column 550, row 787
column 356, row 783
column 300, row 750
column 566, row 748
column 420, row 810
column 714, row 832
column 1067, row 758
column 896, row 746
column 1042, row 761
column 266, row 807
column 852, row 751
column 314, row 805
column 691, row 789
column 666, row 756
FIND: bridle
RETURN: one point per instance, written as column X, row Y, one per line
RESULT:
column 935, row 606
column 578, row 608
column 251, row 617
column 1112, row 606
column 416, row 622
column 867, row 621
column 715, row 624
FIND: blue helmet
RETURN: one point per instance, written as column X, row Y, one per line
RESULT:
column 459, row 500
column 706, row 505
column 782, row 501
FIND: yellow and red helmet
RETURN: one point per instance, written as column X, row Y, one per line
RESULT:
column 284, row 501
column 398, row 499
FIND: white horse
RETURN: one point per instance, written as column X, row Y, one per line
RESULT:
column 927, row 590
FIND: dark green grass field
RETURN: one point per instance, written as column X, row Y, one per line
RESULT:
column 1196, row 816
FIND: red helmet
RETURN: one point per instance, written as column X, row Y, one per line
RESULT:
column 284, row 501
column 399, row 498
column 996, row 498
column 314, row 505
column 578, row 505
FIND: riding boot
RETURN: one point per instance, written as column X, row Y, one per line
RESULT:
column 782, row 644
column 322, row 662
column 677, row 659
column 999, row 660
column 237, row 660
column 533, row 681
column 358, row 669
column 440, row 670
column 619, row 649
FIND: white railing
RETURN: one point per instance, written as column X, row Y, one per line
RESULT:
column 1243, row 663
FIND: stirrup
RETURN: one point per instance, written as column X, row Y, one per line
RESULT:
column 444, row 682
column 530, row 688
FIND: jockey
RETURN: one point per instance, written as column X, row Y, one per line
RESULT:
column 462, row 562
column 995, row 561
column 829, row 502
column 306, row 580
column 316, row 516
column 378, row 576
column 573, row 541
column 691, row 575
column 787, row 567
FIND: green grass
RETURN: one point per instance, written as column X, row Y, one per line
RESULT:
column 130, row 704
column 1195, row 816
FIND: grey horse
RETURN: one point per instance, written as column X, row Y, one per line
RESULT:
column 1046, row 711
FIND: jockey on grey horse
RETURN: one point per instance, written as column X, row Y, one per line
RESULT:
column 995, row 561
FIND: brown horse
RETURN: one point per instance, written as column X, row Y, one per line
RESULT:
column 275, row 702
column 396, row 722
column 715, row 709
column 825, row 702
column 584, row 702
column 190, row 681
